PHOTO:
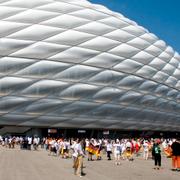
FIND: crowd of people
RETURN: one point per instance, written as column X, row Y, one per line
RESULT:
column 94, row 149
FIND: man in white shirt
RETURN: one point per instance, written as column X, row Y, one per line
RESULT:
column 109, row 149
column 145, row 150
column 35, row 143
column 78, row 155
column 117, row 151
column 29, row 143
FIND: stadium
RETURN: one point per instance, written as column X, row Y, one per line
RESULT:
column 73, row 65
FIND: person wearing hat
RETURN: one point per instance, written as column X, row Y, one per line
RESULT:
column 156, row 152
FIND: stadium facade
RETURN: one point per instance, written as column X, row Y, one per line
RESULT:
column 72, row 64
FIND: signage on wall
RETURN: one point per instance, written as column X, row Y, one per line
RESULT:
column 106, row 132
column 81, row 131
column 53, row 131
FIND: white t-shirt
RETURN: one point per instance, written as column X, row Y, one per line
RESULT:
column 109, row 147
column 35, row 141
column 146, row 146
column 29, row 140
column 77, row 150
column 117, row 148
column 128, row 145
column 52, row 143
column 87, row 143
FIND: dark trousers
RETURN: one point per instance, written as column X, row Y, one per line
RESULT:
column 29, row 146
column 109, row 155
column 157, row 159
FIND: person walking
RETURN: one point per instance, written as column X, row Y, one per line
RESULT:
column 78, row 162
column 156, row 152
column 176, row 155
column 145, row 150
column 109, row 149
column 117, row 151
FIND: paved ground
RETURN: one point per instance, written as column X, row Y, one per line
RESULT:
column 18, row 164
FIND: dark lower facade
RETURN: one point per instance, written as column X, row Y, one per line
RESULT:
column 84, row 133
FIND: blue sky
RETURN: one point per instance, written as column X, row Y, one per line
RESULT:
column 161, row 17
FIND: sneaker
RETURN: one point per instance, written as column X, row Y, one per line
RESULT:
column 83, row 174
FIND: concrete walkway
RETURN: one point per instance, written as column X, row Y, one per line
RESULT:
column 16, row 164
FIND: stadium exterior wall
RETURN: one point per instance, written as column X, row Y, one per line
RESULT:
column 72, row 64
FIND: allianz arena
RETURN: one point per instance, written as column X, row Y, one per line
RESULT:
column 72, row 64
